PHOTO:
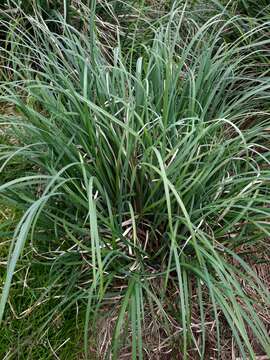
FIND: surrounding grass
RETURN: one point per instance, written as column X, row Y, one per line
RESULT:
column 136, row 173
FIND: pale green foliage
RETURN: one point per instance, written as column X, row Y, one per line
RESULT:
column 143, row 169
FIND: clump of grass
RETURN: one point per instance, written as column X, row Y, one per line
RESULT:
column 139, row 182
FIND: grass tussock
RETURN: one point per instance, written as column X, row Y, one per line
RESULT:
column 140, row 176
